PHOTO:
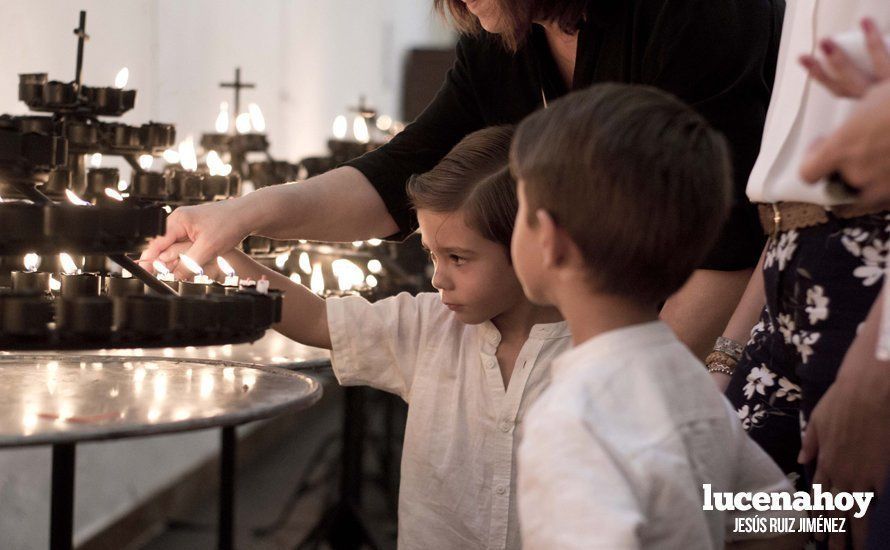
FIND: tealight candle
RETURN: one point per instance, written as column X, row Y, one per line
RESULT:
column 100, row 179
column 231, row 279
column 119, row 287
column 30, row 281
column 80, row 284
column 149, row 185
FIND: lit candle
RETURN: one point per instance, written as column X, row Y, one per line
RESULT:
column 199, row 284
column 226, row 267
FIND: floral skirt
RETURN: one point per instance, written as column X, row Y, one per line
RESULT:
column 820, row 284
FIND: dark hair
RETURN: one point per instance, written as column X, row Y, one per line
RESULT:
column 639, row 181
column 519, row 14
column 473, row 178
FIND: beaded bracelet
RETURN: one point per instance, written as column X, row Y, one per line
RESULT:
column 719, row 361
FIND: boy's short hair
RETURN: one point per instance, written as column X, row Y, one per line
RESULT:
column 473, row 178
column 639, row 181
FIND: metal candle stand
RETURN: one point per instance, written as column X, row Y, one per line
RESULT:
column 41, row 159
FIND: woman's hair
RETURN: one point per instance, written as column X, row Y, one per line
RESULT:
column 518, row 17
column 473, row 178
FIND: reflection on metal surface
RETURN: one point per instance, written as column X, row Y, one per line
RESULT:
column 74, row 398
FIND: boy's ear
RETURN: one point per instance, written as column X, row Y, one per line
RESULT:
column 549, row 240
column 558, row 250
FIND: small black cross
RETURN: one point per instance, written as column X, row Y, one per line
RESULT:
column 82, row 36
column 238, row 85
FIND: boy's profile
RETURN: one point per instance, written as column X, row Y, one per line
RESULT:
column 622, row 191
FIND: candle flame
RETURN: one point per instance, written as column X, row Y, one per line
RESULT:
column 74, row 199
column 374, row 266
column 305, row 265
column 171, row 156
column 225, row 266
column 222, row 119
column 339, row 128
column 145, row 161
column 191, row 265
column 68, row 265
column 32, row 261
column 281, row 260
column 295, row 277
column 375, row 242
column 214, row 163
column 96, row 160
column 159, row 267
column 187, row 157
column 225, row 169
column 54, row 284
column 360, row 129
column 256, row 118
column 242, row 123
column 122, row 77
column 122, row 185
column 348, row 274
column 316, row 282
column 384, row 123
column 371, row 281
column 112, row 193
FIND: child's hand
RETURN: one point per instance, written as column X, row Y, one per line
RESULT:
column 842, row 75
column 170, row 258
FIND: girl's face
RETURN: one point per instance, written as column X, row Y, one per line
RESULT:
column 472, row 274
column 489, row 14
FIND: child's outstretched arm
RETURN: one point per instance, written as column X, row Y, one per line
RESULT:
column 304, row 317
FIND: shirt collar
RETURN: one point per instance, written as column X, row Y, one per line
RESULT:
column 540, row 331
column 617, row 342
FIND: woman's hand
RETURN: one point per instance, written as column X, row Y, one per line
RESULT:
column 841, row 74
column 208, row 229
column 859, row 150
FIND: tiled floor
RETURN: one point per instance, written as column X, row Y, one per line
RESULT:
column 264, row 487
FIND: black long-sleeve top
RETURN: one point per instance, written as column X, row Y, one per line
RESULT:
column 719, row 56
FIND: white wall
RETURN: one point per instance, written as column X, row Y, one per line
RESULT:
column 309, row 58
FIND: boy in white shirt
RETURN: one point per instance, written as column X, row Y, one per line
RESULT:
column 622, row 190
column 469, row 360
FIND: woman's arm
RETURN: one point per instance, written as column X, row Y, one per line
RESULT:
column 697, row 311
column 340, row 205
column 304, row 315
column 364, row 199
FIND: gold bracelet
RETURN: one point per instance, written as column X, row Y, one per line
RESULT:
column 721, row 357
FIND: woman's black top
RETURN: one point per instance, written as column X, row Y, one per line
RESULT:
column 717, row 55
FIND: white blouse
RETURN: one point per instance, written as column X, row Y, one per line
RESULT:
column 801, row 109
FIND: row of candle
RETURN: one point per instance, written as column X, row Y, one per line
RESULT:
column 83, row 134
column 119, row 225
column 135, row 314
column 39, row 93
column 175, row 185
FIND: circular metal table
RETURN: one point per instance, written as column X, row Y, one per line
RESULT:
column 62, row 400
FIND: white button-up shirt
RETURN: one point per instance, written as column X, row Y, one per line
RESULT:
column 458, row 475
column 617, row 450
column 802, row 110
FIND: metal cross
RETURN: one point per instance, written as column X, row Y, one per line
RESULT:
column 237, row 85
